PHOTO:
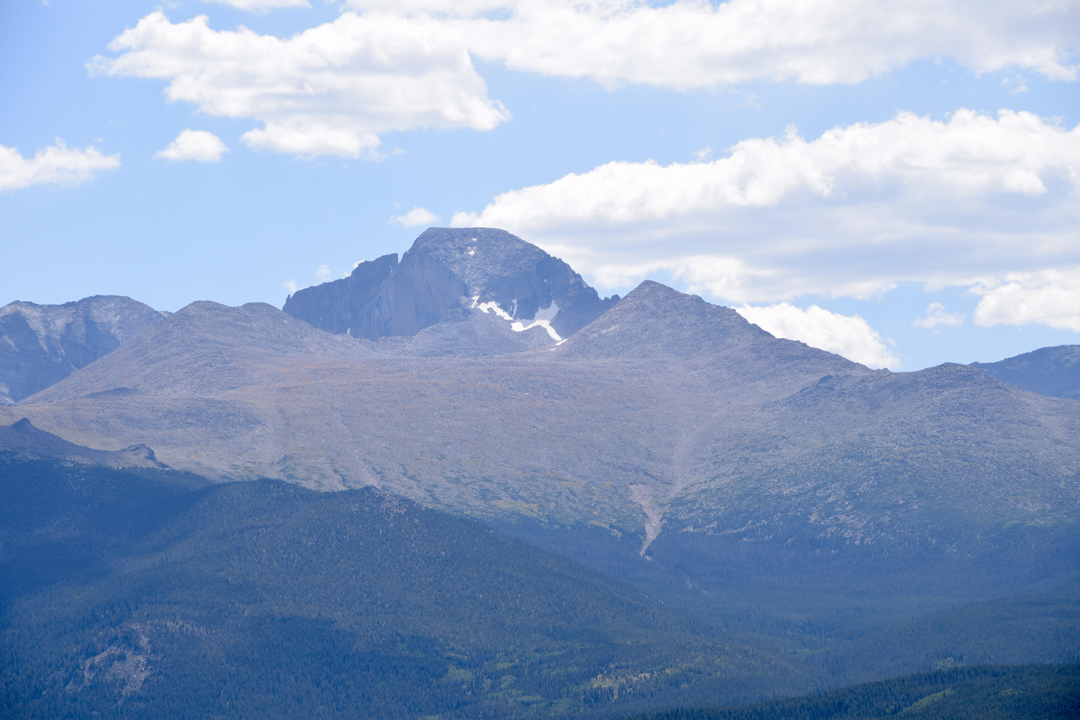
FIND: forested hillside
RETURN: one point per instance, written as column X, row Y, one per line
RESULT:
column 126, row 595
column 1025, row 692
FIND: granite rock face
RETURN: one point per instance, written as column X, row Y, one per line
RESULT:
column 447, row 276
column 334, row 306
column 1051, row 371
column 43, row 344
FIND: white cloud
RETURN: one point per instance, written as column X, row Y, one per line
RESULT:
column 330, row 90
column 290, row 285
column 852, row 213
column 937, row 317
column 197, row 145
column 404, row 64
column 1048, row 297
column 57, row 165
column 416, row 216
column 323, row 272
column 262, row 5
column 694, row 43
column 849, row 336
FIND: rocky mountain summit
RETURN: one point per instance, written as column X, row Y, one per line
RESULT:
column 1053, row 371
column 449, row 275
column 43, row 344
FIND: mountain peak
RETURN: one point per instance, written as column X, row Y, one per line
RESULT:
column 42, row 344
column 477, row 255
column 448, row 274
column 656, row 319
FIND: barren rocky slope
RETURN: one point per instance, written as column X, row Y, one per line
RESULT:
column 664, row 413
column 1053, row 371
column 43, row 344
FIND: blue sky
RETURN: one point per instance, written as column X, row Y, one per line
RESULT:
column 900, row 185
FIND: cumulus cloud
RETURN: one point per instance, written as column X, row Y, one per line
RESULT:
column 57, row 165
column 262, row 5
column 330, row 90
column 416, row 216
column 323, row 272
column 851, row 213
column 1048, row 297
column 403, row 64
column 937, row 317
column 846, row 335
column 694, row 43
column 197, row 145
column 290, row 285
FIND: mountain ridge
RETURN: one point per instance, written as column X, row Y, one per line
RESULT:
column 665, row 412
column 1051, row 371
column 42, row 344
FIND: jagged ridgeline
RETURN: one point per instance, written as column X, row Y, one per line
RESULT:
column 126, row 595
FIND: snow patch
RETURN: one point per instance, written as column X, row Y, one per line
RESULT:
column 493, row 306
column 543, row 317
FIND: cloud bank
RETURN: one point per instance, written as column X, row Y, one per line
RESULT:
column 1048, row 297
column 330, row 90
column 851, row 213
column 334, row 89
column 57, row 165
column 198, row 145
column 696, row 44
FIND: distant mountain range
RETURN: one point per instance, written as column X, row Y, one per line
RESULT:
column 662, row 412
column 820, row 509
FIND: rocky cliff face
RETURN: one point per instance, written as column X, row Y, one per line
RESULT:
column 1052, row 371
column 333, row 306
column 43, row 344
column 450, row 275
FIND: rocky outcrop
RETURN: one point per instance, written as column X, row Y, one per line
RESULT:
column 43, row 344
column 446, row 276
